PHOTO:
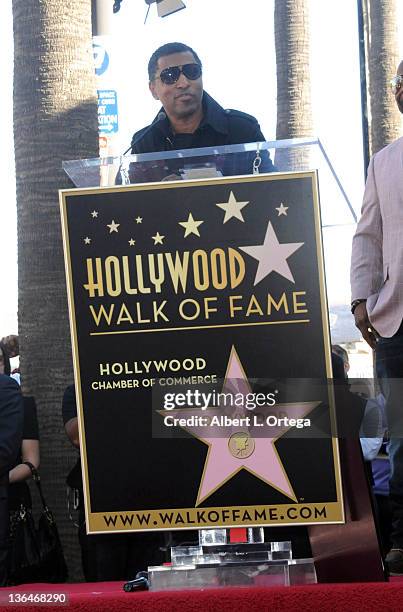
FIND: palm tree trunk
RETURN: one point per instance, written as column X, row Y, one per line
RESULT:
column 294, row 112
column 55, row 118
column 383, row 59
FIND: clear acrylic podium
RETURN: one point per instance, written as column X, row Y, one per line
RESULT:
column 293, row 155
column 215, row 561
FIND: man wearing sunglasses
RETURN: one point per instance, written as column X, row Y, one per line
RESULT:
column 377, row 306
column 189, row 117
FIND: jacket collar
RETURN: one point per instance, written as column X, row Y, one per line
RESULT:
column 213, row 115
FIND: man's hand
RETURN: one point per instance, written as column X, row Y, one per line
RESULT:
column 364, row 325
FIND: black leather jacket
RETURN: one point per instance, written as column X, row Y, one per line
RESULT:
column 218, row 127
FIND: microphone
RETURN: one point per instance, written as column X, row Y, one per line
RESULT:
column 127, row 150
column 140, row 583
column 160, row 117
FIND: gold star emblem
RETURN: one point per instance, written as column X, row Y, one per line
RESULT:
column 232, row 208
column 191, row 226
column 139, row 219
column 113, row 227
column 241, row 445
column 94, row 214
column 158, row 238
column 282, row 210
column 87, row 240
column 132, row 242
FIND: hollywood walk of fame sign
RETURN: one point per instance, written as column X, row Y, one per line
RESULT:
column 201, row 353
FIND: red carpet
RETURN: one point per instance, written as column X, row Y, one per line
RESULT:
column 371, row 597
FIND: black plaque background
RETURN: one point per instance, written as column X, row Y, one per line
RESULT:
column 127, row 468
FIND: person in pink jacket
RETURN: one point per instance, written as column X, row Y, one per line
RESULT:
column 377, row 301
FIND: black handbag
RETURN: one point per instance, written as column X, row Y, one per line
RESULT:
column 23, row 557
column 36, row 554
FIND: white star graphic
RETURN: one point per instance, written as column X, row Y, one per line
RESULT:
column 272, row 256
column 158, row 238
column 87, row 240
column 113, row 227
column 132, row 242
column 94, row 214
column 191, row 226
column 232, row 208
column 282, row 210
column 139, row 219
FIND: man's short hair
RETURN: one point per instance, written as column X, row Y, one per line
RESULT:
column 168, row 49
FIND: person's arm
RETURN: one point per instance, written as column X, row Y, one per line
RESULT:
column 11, row 415
column 366, row 258
column 71, row 428
column 364, row 325
column 69, row 412
column 30, row 453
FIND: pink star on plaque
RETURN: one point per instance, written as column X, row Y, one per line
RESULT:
column 272, row 256
column 234, row 448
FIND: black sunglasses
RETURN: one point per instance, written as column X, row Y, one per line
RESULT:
column 169, row 76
